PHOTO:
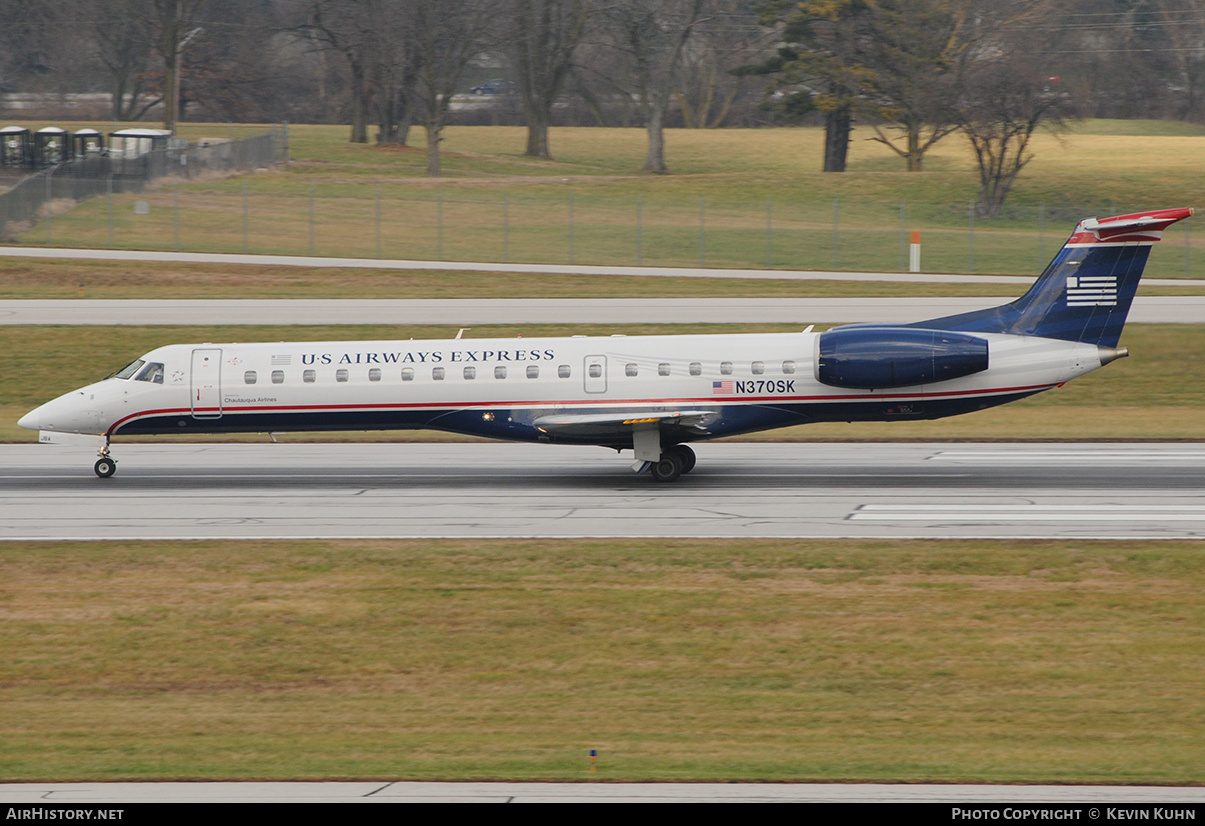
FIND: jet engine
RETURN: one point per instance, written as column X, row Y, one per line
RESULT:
column 869, row 358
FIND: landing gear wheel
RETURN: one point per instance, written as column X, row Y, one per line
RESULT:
column 685, row 455
column 667, row 469
column 105, row 467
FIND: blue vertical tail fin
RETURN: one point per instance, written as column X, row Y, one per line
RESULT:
column 1085, row 293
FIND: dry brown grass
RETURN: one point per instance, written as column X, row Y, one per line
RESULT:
column 688, row 660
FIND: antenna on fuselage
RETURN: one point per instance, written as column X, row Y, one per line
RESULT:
column 461, row 333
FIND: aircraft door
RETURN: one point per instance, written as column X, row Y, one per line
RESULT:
column 207, row 384
column 595, row 374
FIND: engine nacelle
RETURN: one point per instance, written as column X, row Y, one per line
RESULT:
column 868, row 358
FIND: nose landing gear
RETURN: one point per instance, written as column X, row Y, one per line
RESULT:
column 106, row 465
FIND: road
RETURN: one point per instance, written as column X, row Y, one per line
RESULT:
column 195, row 491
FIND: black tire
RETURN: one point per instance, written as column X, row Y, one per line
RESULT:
column 667, row 469
column 685, row 455
column 105, row 467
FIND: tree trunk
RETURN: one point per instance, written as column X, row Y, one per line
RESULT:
column 837, row 125
column 171, row 90
column 537, row 135
column 915, row 156
column 433, row 139
column 359, row 104
column 656, row 157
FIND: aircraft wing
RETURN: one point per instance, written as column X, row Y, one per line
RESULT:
column 589, row 424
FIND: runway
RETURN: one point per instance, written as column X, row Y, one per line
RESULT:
column 466, row 312
column 178, row 491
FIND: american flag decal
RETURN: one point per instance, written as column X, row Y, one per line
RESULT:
column 721, row 388
column 1091, row 291
column 281, row 361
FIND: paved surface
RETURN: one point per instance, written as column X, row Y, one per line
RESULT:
column 66, row 253
column 65, row 794
column 486, row 266
column 468, row 312
column 1128, row 491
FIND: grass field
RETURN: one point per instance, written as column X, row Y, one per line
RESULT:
column 736, row 198
column 990, row 661
column 1158, row 393
column 32, row 278
column 1066, row 662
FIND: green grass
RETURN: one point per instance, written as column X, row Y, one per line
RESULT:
column 1065, row 662
column 494, row 204
column 1156, row 394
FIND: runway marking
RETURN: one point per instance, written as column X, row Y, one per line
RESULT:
column 1030, row 513
column 1061, row 456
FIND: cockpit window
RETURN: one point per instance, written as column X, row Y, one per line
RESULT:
column 129, row 370
column 153, row 372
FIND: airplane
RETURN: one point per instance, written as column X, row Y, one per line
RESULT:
column 650, row 394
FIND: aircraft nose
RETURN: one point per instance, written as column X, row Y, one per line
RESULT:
column 30, row 420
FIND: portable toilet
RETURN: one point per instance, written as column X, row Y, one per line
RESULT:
column 87, row 143
column 51, row 145
column 134, row 143
column 16, row 147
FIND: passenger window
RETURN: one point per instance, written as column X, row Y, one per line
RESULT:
column 499, row 372
column 341, row 374
column 407, row 374
column 309, row 376
column 278, row 376
column 595, row 371
column 533, row 371
column 725, row 368
column 563, row 371
column 374, row 374
column 663, row 369
column 788, row 367
column 470, row 372
column 249, row 377
column 628, row 369
column 758, row 367
column 437, row 373
column 696, row 369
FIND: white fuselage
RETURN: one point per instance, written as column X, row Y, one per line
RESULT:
column 505, row 388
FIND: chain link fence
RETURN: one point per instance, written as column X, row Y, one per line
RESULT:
column 57, row 189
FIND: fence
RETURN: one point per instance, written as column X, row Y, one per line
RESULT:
column 112, row 174
column 546, row 223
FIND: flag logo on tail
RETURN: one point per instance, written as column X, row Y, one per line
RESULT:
column 1091, row 291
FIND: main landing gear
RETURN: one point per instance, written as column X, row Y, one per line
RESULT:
column 106, row 465
column 673, row 463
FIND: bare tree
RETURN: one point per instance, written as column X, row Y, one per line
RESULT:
column 652, row 35
column 447, row 35
column 1002, row 102
column 914, row 46
column 345, row 27
column 544, row 36
column 709, row 82
column 121, row 36
column 175, row 25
